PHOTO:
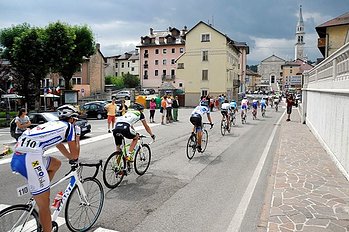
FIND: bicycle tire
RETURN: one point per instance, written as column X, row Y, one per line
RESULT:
column 204, row 140
column 10, row 215
column 75, row 208
column 142, row 159
column 223, row 127
column 191, row 146
column 113, row 172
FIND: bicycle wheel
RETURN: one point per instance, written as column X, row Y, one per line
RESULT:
column 79, row 214
column 223, row 126
column 191, row 146
column 19, row 218
column 142, row 159
column 113, row 171
column 204, row 140
column 234, row 120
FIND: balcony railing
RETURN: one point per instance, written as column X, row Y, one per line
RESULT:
column 146, row 55
column 168, row 77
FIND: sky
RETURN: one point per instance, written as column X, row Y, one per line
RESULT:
column 267, row 26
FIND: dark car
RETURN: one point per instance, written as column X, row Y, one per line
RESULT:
column 94, row 110
column 40, row 118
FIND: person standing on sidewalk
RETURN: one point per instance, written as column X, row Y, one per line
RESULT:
column 289, row 104
column 169, row 109
column 22, row 123
column 111, row 111
column 163, row 109
column 175, row 106
column 152, row 107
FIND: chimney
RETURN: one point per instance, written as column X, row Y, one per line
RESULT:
column 151, row 31
column 169, row 28
column 98, row 46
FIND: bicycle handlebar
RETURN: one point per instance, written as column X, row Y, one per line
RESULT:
column 207, row 123
column 74, row 165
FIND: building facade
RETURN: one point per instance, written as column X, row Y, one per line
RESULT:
column 244, row 51
column 252, row 80
column 209, row 66
column 158, row 52
column 292, row 74
column 333, row 34
column 271, row 73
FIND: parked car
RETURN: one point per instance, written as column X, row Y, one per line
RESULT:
column 144, row 92
column 40, row 118
column 94, row 110
column 126, row 94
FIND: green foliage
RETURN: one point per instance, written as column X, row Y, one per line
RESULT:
column 118, row 82
column 8, row 36
column 131, row 81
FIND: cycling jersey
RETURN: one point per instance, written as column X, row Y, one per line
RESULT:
column 255, row 104
column 124, row 125
column 201, row 110
column 196, row 116
column 28, row 158
column 263, row 103
column 233, row 105
column 225, row 106
column 131, row 117
column 244, row 104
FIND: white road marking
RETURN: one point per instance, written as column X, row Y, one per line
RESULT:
column 239, row 215
column 104, row 230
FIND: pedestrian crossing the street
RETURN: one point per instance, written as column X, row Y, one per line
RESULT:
column 61, row 221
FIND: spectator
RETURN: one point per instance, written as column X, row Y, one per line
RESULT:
column 22, row 122
column 152, row 107
column 123, row 108
column 175, row 106
column 289, row 103
column 163, row 109
column 169, row 109
column 111, row 111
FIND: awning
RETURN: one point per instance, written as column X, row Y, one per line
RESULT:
column 49, row 95
column 11, row 96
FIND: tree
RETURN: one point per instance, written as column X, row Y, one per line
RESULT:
column 8, row 36
column 131, row 81
column 83, row 47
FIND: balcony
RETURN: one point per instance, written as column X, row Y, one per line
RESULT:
column 168, row 77
column 145, row 66
column 146, row 55
column 145, row 76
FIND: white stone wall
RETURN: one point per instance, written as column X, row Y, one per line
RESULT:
column 326, row 105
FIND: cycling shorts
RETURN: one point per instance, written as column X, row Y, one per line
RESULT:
column 33, row 166
column 224, row 112
column 263, row 106
column 244, row 107
column 123, row 129
column 196, row 120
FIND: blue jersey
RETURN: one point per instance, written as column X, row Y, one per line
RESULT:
column 233, row 105
column 255, row 105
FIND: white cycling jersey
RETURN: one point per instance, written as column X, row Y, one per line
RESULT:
column 201, row 110
column 131, row 117
column 44, row 136
column 225, row 106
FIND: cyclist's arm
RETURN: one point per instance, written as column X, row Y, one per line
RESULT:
column 146, row 127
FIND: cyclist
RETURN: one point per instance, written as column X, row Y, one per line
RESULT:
column 263, row 104
column 244, row 106
column 196, row 119
column 254, row 107
column 124, row 126
column 233, row 108
column 225, row 111
column 276, row 103
column 28, row 159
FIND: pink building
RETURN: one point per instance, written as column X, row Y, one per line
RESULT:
column 158, row 53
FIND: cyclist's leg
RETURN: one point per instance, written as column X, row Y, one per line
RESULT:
column 54, row 165
column 43, row 203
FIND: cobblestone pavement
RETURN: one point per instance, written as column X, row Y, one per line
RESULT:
column 309, row 193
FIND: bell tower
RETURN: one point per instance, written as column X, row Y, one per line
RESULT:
column 299, row 46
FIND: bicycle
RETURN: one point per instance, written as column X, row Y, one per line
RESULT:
column 243, row 117
column 232, row 118
column 192, row 144
column 263, row 111
column 82, row 197
column 116, row 166
column 254, row 114
column 225, row 124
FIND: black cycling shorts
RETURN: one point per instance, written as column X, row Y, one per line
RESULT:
column 196, row 120
column 125, row 130
column 224, row 112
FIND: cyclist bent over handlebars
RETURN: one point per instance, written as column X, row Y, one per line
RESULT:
column 196, row 119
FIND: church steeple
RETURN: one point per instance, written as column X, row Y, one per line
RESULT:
column 299, row 46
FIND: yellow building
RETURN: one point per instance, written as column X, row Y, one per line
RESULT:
column 209, row 66
column 333, row 34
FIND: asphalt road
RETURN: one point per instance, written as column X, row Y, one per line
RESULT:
column 222, row 189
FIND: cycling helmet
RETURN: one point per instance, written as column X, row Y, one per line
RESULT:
column 67, row 111
column 137, row 106
column 203, row 103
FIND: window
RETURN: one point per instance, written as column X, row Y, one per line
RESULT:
column 128, row 64
column 204, row 92
column 116, row 65
column 61, row 82
column 146, row 74
column 180, row 84
column 290, row 70
column 146, row 55
column 122, row 65
column 156, row 73
column 180, row 66
column 173, row 61
column 116, row 74
column 156, row 51
column 173, row 50
column 164, row 51
column 76, row 80
column 204, row 75
column 122, row 73
column 47, row 82
column 181, row 50
column 132, row 69
column 205, row 37
column 156, row 62
column 164, row 61
column 204, row 55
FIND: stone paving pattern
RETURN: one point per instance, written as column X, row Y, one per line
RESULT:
column 309, row 192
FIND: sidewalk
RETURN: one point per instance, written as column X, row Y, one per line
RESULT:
column 308, row 192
